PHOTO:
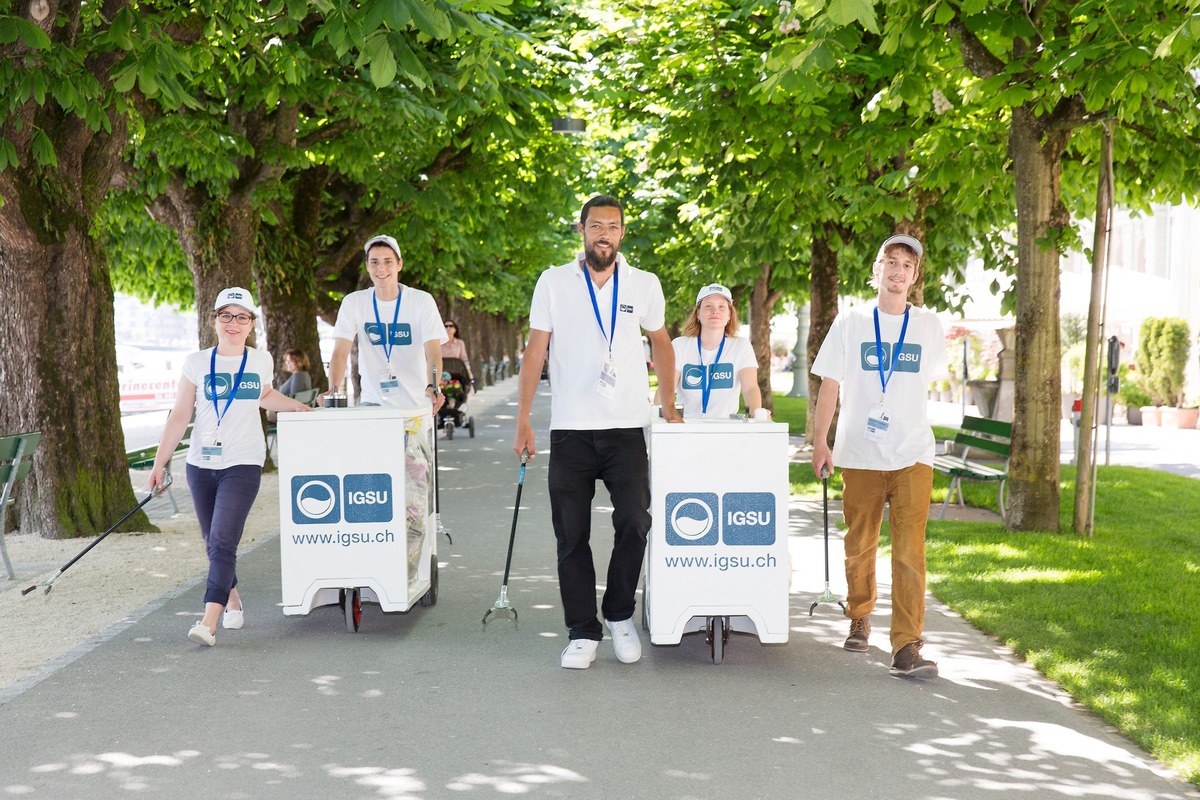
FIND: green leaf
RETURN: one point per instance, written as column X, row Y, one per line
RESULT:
column 847, row 12
column 383, row 66
column 124, row 79
column 43, row 149
column 8, row 155
column 430, row 21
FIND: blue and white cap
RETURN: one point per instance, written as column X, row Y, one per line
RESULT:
column 714, row 288
column 235, row 296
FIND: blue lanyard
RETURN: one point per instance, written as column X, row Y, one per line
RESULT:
column 212, row 383
column 885, row 379
column 612, row 330
column 706, row 375
column 387, row 332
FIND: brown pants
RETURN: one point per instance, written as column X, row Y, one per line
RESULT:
column 906, row 494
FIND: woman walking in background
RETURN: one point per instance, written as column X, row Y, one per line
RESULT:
column 224, row 386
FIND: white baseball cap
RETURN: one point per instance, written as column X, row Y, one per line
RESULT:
column 382, row 239
column 901, row 238
column 714, row 288
column 236, row 296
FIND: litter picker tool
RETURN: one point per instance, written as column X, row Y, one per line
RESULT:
column 827, row 596
column 49, row 584
column 502, row 606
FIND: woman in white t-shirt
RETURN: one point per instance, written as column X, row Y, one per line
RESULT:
column 225, row 458
column 712, row 364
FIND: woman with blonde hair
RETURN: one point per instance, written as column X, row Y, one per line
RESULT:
column 713, row 366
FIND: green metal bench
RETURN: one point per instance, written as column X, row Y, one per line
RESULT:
column 978, row 433
column 143, row 459
column 16, row 459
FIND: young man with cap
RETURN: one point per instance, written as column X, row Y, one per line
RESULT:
column 399, row 330
column 712, row 362
column 588, row 316
column 883, row 357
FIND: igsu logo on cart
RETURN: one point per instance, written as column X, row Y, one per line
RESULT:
column 748, row 518
column 328, row 499
column 740, row 519
column 692, row 518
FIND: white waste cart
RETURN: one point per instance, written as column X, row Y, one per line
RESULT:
column 717, row 559
column 356, row 510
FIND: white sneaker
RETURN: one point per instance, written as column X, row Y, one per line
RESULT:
column 580, row 654
column 625, row 640
column 233, row 619
column 200, row 634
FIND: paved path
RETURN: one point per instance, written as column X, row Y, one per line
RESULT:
column 429, row 704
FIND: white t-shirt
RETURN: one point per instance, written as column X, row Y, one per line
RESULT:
column 849, row 356
column 736, row 355
column 578, row 349
column 241, row 433
column 417, row 322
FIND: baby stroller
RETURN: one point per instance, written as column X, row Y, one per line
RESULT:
column 456, row 387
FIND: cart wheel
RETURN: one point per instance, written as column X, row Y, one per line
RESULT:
column 718, row 635
column 449, row 429
column 352, row 609
column 471, row 426
column 430, row 597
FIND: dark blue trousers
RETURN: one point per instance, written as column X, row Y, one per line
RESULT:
column 222, row 498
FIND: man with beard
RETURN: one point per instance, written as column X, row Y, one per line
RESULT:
column 588, row 316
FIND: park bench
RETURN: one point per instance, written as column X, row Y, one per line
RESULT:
column 143, row 459
column 979, row 433
column 16, row 459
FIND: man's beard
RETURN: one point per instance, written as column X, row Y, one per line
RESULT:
column 597, row 262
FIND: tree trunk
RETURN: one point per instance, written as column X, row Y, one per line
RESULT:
column 1033, row 496
column 823, row 308
column 762, row 302
column 58, row 365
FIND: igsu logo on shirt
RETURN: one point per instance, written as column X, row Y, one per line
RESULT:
column 401, row 333
column 739, row 519
column 909, row 359
column 249, row 388
column 720, row 376
column 329, row 499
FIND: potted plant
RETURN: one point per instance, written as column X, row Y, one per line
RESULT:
column 1132, row 395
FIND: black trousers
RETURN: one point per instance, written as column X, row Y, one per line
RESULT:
column 577, row 460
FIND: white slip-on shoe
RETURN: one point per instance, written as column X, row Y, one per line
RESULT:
column 625, row 640
column 233, row 619
column 200, row 634
column 580, row 654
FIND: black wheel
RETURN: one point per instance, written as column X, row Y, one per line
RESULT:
column 449, row 430
column 352, row 609
column 430, row 597
column 471, row 426
column 718, row 635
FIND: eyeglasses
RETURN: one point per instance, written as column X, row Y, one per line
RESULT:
column 450, row 325
column 227, row 318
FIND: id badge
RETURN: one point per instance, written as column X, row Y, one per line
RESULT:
column 389, row 387
column 877, row 426
column 210, row 451
column 607, row 385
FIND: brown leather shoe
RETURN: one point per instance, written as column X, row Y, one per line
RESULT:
column 860, row 631
column 908, row 663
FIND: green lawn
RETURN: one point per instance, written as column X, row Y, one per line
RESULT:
column 1112, row 618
